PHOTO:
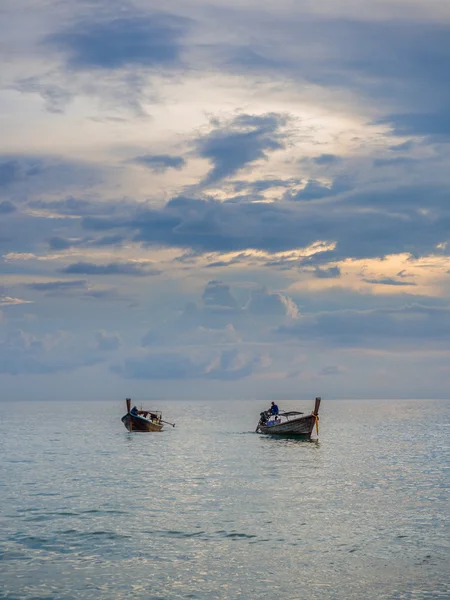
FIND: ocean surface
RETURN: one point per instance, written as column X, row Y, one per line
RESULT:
column 211, row 510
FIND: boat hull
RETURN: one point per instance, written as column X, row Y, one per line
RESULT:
column 301, row 427
column 136, row 423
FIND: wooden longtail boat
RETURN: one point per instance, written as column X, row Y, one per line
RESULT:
column 290, row 423
column 143, row 420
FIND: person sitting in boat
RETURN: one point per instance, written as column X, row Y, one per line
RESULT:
column 273, row 410
column 134, row 411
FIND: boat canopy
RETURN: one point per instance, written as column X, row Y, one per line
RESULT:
column 291, row 413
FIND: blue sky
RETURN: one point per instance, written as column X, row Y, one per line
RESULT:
column 224, row 199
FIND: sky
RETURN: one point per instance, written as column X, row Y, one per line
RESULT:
column 215, row 199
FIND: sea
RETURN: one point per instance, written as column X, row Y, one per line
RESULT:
column 210, row 510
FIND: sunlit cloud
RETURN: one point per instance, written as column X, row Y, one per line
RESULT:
column 8, row 301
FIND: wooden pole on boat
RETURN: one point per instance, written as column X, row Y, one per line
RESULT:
column 128, row 411
column 316, row 413
column 316, row 406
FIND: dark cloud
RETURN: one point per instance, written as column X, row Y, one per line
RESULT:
column 7, row 207
column 60, row 243
column 388, row 281
column 108, row 240
column 57, row 286
column 136, row 269
column 327, row 273
column 397, row 62
column 160, row 162
column 34, row 175
column 314, row 190
column 79, row 206
column 411, row 51
column 404, row 147
column 67, row 206
column 217, row 297
column 13, row 170
column 326, row 159
column 435, row 125
column 405, row 200
column 389, row 327
column 366, row 224
column 107, row 295
column 398, row 161
column 247, row 138
column 120, row 40
column 221, row 263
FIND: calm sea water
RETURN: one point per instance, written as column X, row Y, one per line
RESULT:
column 211, row 510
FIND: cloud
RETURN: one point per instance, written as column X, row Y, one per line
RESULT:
column 56, row 97
column 398, row 161
column 403, row 147
column 106, row 295
column 331, row 370
column 13, row 169
column 129, row 268
column 107, row 341
column 233, row 364
column 388, row 281
column 394, row 328
column 205, row 225
column 327, row 273
column 7, row 207
column 70, row 206
column 60, row 243
column 34, row 175
column 166, row 365
column 226, row 365
column 314, row 190
column 55, row 287
column 326, row 159
column 160, row 163
column 265, row 303
column 435, row 125
column 116, row 41
column 245, row 139
column 219, row 320
column 393, row 61
column 25, row 353
column 217, row 297
column 10, row 301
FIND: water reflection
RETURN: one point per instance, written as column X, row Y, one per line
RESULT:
column 210, row 512
column 289, row 440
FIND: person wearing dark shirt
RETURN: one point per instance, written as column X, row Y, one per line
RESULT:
column 274, row 409
column 134, row 411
